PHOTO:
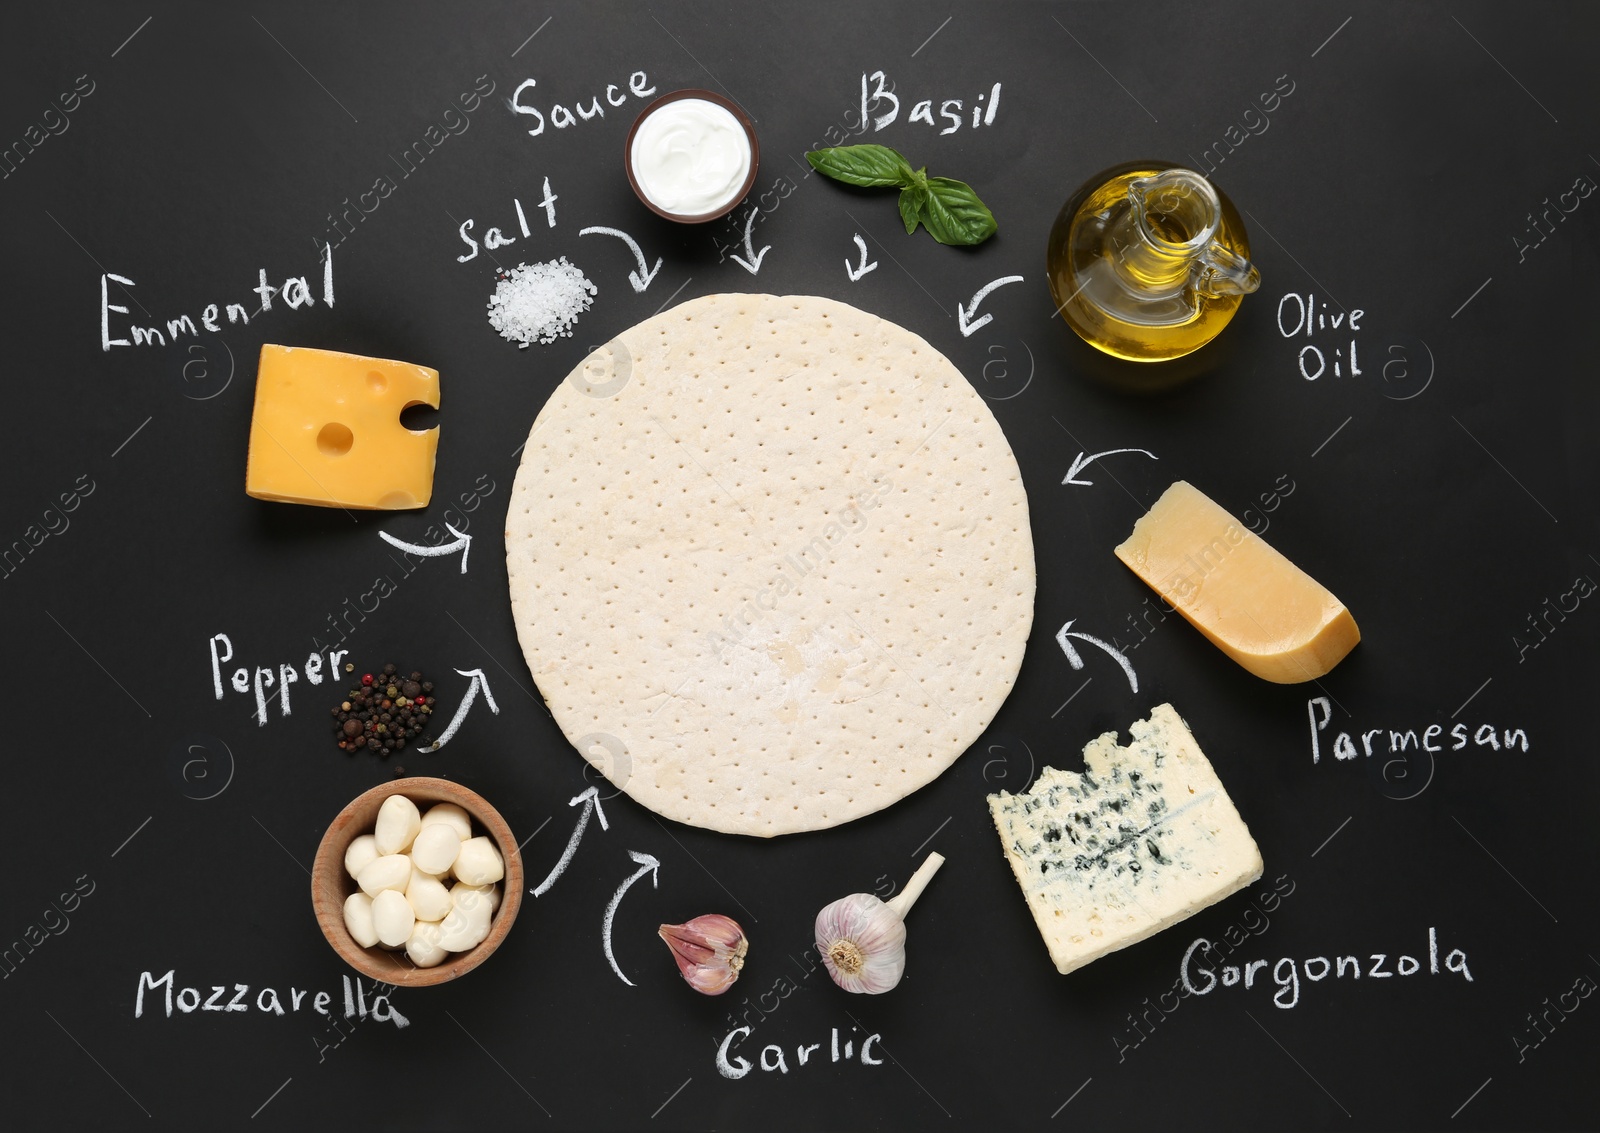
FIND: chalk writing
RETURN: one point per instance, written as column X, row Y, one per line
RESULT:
column 1199, row 979
column 965, row 315
column 878, row 92
column 773, row 1058
column 1254, row 921
column 1391, row 741
column 228, row 998
column 477, row 681
column 561, row 117
column 494, row 238
column 1304, row 317
column 343, row 622
column 639, row 279
column 590, row 799
column 295, row 292
column 1080, row 462
column 1062, row 639
column 855, row 273
column 267, row 677
column 647, row 864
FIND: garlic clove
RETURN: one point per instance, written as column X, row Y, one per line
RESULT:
column 709, row 950
column 863, row 944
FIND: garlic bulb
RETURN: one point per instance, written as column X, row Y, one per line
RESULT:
column 863, row 940
column 709, row 950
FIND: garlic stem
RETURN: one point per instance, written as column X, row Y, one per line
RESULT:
column 901, row 903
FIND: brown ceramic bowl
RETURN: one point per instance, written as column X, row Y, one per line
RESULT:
column 330, row 884
column 749, row 132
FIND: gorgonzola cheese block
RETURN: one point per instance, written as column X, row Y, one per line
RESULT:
column 1143, row 838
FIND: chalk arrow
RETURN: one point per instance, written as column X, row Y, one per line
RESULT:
column 478, row 681
column 641, row 278
column 1077, row 662
column 964, row 315
column 647, row 864
column 591, row 805
column 462, row 543
column 854, row 273
column 753, row 264
column 1080, row 462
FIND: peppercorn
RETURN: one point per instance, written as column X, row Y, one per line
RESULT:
column 386, row 712
column 399, row 771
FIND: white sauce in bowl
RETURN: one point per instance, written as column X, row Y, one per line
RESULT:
column 690, row 157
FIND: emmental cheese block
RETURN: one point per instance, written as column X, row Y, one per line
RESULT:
column 1143, row 838
column 326, row 430
column 1255, row 605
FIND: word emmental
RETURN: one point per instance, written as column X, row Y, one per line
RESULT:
column 295, row 293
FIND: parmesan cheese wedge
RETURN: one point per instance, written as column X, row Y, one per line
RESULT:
column 1143, row 838
column 1253, row 604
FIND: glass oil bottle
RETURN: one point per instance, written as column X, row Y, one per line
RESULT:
column 1148, row 262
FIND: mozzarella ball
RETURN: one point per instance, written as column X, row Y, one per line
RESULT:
column 392, row 918
column 423, row 947
column 468, row 920
column 363, row 851
column 453, row 815
column 398, row 823
column 435, row 848
column 479, row 862
column 430, row 900
column 358, row 919
column 393, row 871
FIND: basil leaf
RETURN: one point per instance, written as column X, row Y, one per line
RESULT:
column 912, row 202
column 953, row 213
column 870, row 166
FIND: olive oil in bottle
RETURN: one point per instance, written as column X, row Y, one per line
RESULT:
column 1149, row 262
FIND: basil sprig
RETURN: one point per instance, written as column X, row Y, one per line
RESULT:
column 950, row 210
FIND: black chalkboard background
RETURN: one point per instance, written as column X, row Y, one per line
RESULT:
column 1446, row 494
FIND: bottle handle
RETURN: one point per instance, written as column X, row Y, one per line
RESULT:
column 1219, row 272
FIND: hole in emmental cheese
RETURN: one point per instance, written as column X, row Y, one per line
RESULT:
column 335, row 439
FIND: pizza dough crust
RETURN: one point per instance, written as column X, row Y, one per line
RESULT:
column 770, row 562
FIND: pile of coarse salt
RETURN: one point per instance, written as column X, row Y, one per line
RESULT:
column 538, row 302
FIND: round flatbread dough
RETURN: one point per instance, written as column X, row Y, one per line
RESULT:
column 770, row 562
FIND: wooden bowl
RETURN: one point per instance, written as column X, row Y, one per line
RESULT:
column 749, row 132
column 330, row 884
